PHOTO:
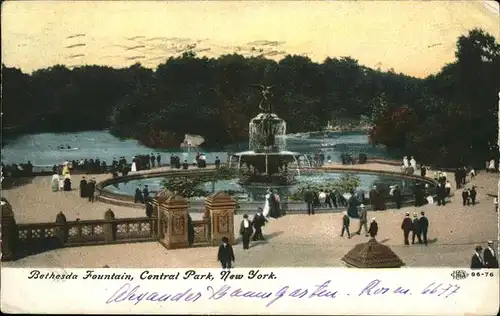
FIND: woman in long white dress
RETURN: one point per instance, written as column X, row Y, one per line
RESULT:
column 266, row 208
column 55, row 182
column 134, row 167
column 61, row 183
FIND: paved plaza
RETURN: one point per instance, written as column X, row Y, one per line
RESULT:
column 294, row 240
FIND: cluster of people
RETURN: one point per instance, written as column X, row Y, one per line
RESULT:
column 486, row 258
column 461, row 176
column 362, row 214
column 87, row 189
column 252, row 228
column 272, row 204
column 409, row 166
column 62, row 181
column 146, row 161
column 418, row 228
column 142, row 196
column 490, row 166
column 17, row 170
column 86, row 165
column 469, row 196
column 323, row 198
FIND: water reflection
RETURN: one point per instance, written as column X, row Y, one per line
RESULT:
column 257, row 193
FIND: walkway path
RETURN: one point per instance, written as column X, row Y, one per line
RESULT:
column 294, row 240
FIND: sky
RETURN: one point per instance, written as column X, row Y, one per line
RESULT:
column 413, row 37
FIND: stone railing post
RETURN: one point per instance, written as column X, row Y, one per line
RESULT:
column 173, row 211
column 62, row 230
column 221, row 207
column 109, row 228
column 9, row 238
column 155, row 219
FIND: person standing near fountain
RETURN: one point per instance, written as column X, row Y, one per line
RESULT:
column 258, row 222
column 309, row 199
column 83, row 187
column 246, row 231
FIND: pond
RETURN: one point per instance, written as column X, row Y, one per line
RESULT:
column 42, row 149
column 256, row 193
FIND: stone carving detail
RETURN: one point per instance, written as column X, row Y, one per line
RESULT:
column 178, row 224
column 223, row 222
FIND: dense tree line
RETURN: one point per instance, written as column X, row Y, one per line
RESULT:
column 454, row 121
column 445, row 114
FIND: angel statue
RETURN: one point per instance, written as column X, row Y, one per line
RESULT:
column 265, row 105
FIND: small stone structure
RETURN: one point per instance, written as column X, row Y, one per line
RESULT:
column 372, row 255
column 220, row 207
column 173, row 220
column 8, row 232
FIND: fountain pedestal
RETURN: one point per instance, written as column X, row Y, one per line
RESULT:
column 220, row 207
column 172, row 220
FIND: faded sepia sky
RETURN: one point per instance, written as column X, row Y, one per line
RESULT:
column 413, row 37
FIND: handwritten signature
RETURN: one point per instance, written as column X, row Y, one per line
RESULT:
column 135, row 294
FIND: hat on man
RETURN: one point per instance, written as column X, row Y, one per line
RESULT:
column 407, row 214
column 373, row 219
column 414, row 214
column 245, row 216
column 362, row 206
column 479, row 248
column 490, row 242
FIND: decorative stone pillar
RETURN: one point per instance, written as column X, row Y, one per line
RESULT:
column 8, row 231
column 221, row 207
column 109, row 228
column 173, row 212
column 62, row 231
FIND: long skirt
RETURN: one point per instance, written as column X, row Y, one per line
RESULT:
column 55, row 185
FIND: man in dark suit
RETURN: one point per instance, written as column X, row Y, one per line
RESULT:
column 490, row 258
column 473, row 194
column 397, row 196
column 416, row 230
column 83, row 187
column 246, row 231
column 424, row 226
column 373, row 230
column 465, row 196
column 476, row 261
column 407, row 226
column 309, row 199
column 345, row 225
column 226, row 254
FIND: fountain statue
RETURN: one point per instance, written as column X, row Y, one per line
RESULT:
column 267, row 161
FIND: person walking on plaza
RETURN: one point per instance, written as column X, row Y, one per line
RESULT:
column 83, row 187
column 373, row 230
column 246, row 231
column 145, row 193
column 424, row 226
column 473, row 195
column 226, row 254
column 217, row 163
column 495, row 204
column 423, row 171
column 345, row 225
column 149, row 209
column 397, row 196
column 152, row 158
column 476, row 261
column 258, row 222
column 309, row 199
column 91, row 190
column 363, row 221
column 416, row 230
column 465, row 196
column 490, row 258
column 158, row 160
column 138, row 195
column 407, row 226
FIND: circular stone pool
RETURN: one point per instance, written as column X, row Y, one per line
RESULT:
column 255, row 193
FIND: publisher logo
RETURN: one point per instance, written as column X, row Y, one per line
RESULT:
column 459, row 274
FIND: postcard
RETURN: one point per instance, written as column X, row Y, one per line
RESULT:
column 250, row 157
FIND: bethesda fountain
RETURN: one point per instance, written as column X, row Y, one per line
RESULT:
column 267, row 160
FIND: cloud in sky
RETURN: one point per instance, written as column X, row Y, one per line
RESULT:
column 416, row 38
